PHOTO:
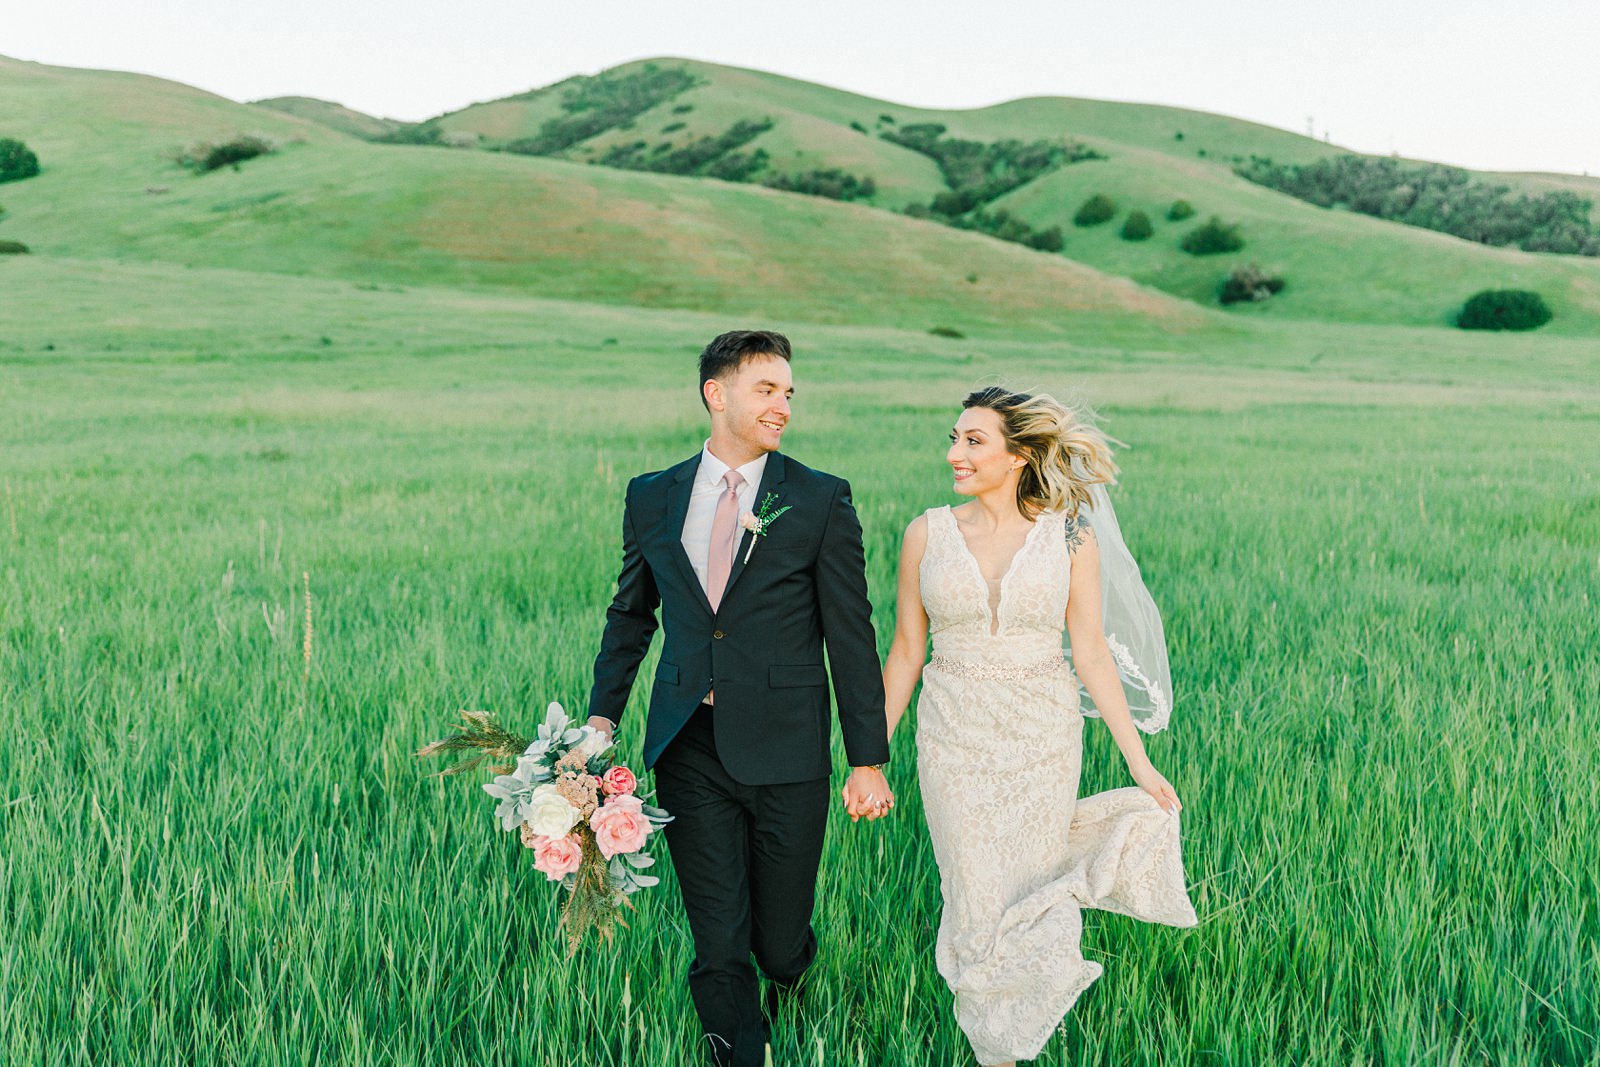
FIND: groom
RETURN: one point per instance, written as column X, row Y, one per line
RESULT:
column 738, row 727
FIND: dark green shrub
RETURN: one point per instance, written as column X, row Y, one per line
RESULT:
column 207, row 156
column 1136, row 227
column 672, row 127
column 887, row 119
column 1504, row 309
column 1248, row 283
column 414, row 133
column 683, row 109
column 13, row 248
column 1180, row 210
column 1213, row 237
column 947, row 331
column 1095, row 210
column 17, row 160
column 856, row 126
column 1051, row 240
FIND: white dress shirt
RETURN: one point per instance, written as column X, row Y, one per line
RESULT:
column 708, row 489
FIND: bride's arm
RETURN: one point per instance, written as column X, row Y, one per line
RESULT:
column 1091, row 660
column 909, row 649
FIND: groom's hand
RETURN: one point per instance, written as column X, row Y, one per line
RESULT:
column 866, row 794
column 604, row 725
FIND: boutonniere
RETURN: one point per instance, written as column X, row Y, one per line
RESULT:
column 758, row 522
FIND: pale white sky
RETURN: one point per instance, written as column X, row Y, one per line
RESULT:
column 1478, row 83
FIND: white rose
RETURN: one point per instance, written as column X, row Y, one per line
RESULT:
column 594, row 742
column 548, row 813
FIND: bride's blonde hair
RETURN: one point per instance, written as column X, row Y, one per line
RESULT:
column 1064, row 452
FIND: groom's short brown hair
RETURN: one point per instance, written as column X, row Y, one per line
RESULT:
column 729, row 351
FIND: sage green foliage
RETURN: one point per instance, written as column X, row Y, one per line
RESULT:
column 1504, row 309
column 1381, row 630
column 1095, row 210
column 17, row 160
column 1137, row 227
column 1212, row 237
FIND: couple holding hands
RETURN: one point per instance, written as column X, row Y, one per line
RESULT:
column 752, row 563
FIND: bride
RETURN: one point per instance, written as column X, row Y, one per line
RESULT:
column 1000, row 720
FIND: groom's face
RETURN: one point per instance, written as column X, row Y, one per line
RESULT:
column 752, row 403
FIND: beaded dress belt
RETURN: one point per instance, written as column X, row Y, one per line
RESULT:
column 998, row 672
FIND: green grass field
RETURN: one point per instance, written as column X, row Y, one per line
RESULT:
column 1377, row 550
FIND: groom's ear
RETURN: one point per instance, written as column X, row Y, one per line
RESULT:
column 711, row 393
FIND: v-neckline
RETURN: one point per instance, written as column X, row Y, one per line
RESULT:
column 977, row 568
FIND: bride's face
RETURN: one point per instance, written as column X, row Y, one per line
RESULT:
column 978, row 455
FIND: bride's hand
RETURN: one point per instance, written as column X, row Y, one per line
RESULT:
column 1150, row 780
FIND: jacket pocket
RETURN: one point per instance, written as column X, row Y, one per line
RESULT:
column 667, row 673
column 795, row 676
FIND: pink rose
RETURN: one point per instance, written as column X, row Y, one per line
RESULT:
column 620, row 826
column 618, row 781
column 557, row 857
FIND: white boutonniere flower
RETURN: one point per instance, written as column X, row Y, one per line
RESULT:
column 758, row 522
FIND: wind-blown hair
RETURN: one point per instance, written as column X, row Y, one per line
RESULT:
column 1064, row 452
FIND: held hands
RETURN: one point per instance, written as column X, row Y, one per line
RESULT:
column 1146, row 777
column 604, row 725
column 866, row 794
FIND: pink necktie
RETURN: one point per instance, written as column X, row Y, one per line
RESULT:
column 724, row 539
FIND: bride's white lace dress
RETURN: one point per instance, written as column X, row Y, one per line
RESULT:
column 999, row 751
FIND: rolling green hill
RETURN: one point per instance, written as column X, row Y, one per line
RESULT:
column 1340, row 266
column 334, row 116
column 328, row 203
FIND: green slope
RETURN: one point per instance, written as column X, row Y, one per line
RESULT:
column 332, row 205
column 1340, row 266
column 334, row 116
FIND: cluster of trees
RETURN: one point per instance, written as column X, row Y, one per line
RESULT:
column 1008, row 227
column 979, row 172
column 1100, row 208
column 17, row 160
column 205, row 156
column 716, row 157
column 832, row 183
column 604, row 102
column 703, row 155
column 1436, row 197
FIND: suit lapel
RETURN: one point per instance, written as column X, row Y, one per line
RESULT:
column 771, row 482
column 678, row 510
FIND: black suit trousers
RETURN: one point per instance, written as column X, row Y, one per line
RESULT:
column 746, row 857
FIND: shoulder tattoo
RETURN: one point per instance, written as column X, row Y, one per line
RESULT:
column 1077, row 530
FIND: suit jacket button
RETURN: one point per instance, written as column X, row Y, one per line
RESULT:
column 716, row 634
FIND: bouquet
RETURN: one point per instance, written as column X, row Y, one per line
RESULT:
column 577, row 809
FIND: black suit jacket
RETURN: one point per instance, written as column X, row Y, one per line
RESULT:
column 804, row 586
